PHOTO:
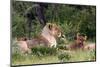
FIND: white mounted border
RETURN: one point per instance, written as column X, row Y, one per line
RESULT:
column 80, row 2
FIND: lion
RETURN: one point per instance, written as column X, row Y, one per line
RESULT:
column 47, row 38
column 79, row 42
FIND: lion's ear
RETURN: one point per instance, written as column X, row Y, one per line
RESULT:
column 50, row 26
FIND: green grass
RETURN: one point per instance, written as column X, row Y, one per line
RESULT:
column 33, row 59
column 43, row 55
column 83, row 56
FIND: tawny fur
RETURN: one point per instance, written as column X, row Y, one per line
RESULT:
column 90, row 47
column 47, row 38
column 79, row 42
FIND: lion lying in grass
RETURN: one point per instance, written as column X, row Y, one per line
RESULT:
column 80, row 43
column 47, row 38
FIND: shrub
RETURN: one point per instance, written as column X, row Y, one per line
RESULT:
column 64, row 57
column 40, row 51
column 62, row 47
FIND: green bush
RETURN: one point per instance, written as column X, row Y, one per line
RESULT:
column 41, row 51
column 64, row 57
column 63, row 47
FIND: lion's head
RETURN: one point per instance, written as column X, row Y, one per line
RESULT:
column 52, row 29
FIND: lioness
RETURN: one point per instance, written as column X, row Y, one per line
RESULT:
column 47, row 38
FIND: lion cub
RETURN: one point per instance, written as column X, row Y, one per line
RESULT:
column 79, row 42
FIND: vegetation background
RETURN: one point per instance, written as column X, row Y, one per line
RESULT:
column 71, row 18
